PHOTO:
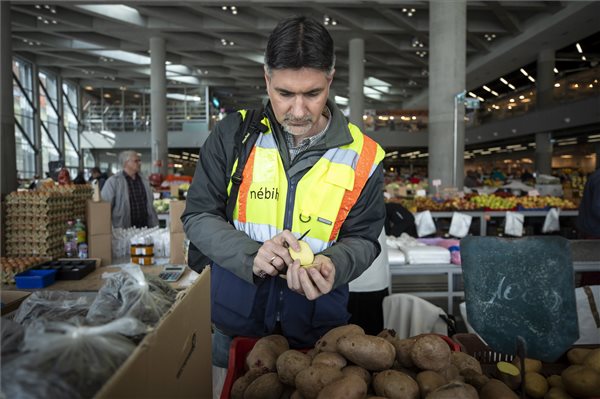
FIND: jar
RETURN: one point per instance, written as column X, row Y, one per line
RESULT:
column 142, row 260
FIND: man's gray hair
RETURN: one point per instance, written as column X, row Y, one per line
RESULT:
column 125, row 155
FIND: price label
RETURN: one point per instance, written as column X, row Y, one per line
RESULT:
column 436, row 183
column 533, row 193
column 421, row 193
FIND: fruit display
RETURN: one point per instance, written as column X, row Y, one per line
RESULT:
column 162, row 205
column 36, row 220
column 495, row 202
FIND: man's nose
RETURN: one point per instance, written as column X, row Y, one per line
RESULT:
column 298, row 107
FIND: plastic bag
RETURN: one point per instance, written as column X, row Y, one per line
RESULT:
column 12, row 336
column 52, row 305
column 551, row 223
column 460, row 225
column 425, row 223
column 130, row 293
column 85, row 357
column 23, row 383
column 514, row 224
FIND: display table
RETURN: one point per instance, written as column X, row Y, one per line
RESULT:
column 450, row 270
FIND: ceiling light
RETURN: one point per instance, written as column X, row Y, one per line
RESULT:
column 591, row 86
column 224, row 8
column 555, row 70
column 512, row 87
column 556, row 84
column 521, row 97
column 88, row 88
column 583, row 58
column 486, row 88
column 233, row 8
column 524, row 72
column 494, row 93
column 480, row 99
column 531, row 78
column 512, row 100
column 579, row 48
column 472, row 94
column 503, row 81
column 234, row 12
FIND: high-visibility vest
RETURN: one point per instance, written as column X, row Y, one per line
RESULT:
column 269, row 202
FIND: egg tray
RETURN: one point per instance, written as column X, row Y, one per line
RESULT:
column 69, row 269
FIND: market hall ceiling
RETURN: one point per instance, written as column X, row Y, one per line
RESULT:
column 221, row 44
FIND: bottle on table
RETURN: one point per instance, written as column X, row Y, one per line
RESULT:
column 70, row 240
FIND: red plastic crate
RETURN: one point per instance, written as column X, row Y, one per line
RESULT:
column 241, row 346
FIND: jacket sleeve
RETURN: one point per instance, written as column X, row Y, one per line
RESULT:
column 109, row 191
column 204, row 219
column 357, row 245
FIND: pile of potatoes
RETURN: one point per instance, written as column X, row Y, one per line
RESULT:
column 348, row 364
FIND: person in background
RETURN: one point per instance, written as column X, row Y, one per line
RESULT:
column 130, row 194
column 79, row 179
column 308, row 171
column 526, row 176
column 588, row 220
column 96, row 174
column 497, row 175
column 471, row 179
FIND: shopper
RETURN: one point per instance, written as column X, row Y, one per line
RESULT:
column 309, row 170
column 97, row 175
column 588, row 220
column 130, row 194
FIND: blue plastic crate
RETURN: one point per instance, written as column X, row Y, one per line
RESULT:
column 35, row 278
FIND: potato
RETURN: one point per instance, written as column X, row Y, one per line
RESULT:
column 329, row 359
column 496, row 389
column 451, row 373
column 388, row 333
column 464, row 361
column 454, row 390
column 239, row 386
column 267, row 386
column 536, row 385
column 429, row 381
column 472, row 377
column 555, row 381
column 265, row 352
column 311, row 380
column 358, row 371
column 557, row 393
column 368, row 351
column 328, row 342
column 403, row 348
column 592, row 360
column 348, row 387
column 581, row 381
column 296, row 395
column 430, row 352
column 576, row 355
column 393, row 384
column 290, row 363
column 509, row 374
column 305, row 255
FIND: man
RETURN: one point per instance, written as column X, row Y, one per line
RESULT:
column 308, row 171
column 130, row 194
column 96, row 174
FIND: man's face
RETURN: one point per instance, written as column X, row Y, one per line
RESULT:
column 134, row 164
column 298, row 97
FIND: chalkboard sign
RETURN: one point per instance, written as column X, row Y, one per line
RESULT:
column 521, row 287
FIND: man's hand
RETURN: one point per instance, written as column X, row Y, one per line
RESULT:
column 273, row 256
column 312, row 281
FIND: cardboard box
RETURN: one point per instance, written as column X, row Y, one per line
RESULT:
column 98, row 218
column 174, row 360
column 176, row 209
column 177, row 250
column 11, row 300
column 100, row 246
column 174, row 188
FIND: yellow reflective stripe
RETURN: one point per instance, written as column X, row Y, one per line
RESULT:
column 266, row 141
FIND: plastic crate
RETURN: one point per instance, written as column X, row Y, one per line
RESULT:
column 69, row 269
column 241, row 346
column 35, row 278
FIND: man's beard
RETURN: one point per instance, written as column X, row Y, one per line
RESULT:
column 297, row 126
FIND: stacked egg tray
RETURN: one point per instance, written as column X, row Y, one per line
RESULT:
column 69, row 269
column 37, row 220
column 12, row 266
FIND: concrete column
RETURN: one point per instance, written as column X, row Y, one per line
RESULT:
column 61, row 127
column 158, row 105
column 544, row 98
column 543, row 153
column 37, row 121
column 8, row 173
column 357, row 78
column 8, row 159
column 447, row 59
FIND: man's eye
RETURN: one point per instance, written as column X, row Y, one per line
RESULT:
column 312, row 94
column 284, row 94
